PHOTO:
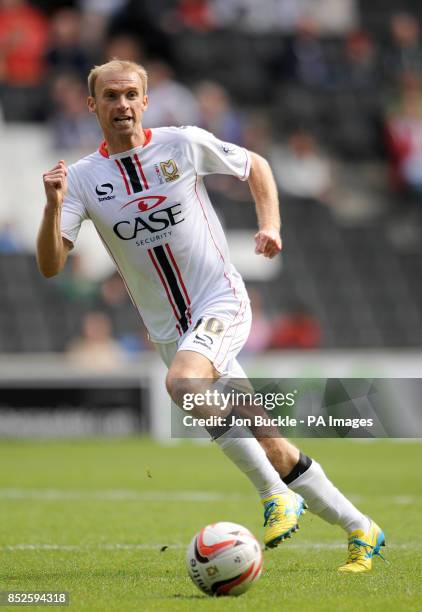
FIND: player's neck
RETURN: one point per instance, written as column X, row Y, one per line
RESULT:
column 118, row 143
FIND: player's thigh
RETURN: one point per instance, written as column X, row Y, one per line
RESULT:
column 167, row 351
column 192, row 364
column 219, row 340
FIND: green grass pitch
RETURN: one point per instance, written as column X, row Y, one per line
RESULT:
column 91, row 517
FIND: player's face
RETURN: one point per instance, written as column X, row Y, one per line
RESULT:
column 119, row 104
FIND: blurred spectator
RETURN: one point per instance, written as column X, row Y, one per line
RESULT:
column 296, row 329
column 23, row 40
column 405, row 53
column 148, row 22
column 361, row 68
column 65, row 52
column 258, row 133
column 74, row 283
column 102, row 7
column 304, row 60
column 73, row 127
column 300, row 169
column 96, row 347
column 333, row 17
column 128, row 327
column 404, row 137
column 23, row 37
column 257, row 17
column 170, row 102
column 9, row 240
column 95, row 19
column 404, row 148
column 195, row 15
column 216, row 114
column 125, row 47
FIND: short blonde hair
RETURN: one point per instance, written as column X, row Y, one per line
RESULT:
column 117, row 64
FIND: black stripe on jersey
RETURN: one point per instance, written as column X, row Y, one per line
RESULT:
column 132, row 174
column 174, row 287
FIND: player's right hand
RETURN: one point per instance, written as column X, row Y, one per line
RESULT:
column 55, row 184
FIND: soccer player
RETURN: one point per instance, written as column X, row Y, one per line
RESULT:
column 143, row 190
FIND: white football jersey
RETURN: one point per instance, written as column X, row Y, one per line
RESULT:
column 151, row 209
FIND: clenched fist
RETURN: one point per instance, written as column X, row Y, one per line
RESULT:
column 55, row 184
column 268, row 243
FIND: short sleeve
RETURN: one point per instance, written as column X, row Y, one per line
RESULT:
column 209, row 155
column 73, row 211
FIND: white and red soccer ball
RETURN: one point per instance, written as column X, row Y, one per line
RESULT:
column 224, row 559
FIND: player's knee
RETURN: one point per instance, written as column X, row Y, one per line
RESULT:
column 178, row 386
column 182, row 387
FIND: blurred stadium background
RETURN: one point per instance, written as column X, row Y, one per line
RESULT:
column 329, row 91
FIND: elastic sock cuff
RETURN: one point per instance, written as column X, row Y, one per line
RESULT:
column 301, row 466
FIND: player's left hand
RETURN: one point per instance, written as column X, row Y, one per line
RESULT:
column 268, row 243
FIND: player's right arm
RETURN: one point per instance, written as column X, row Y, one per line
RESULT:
column 52, row 248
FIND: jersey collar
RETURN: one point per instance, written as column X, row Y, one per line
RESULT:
column 103, row 146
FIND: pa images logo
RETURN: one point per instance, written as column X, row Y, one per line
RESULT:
column 208, row 331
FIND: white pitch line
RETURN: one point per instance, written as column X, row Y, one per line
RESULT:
column 80, row 548
column 118, row 495
column 169, row 496
column 179, row 546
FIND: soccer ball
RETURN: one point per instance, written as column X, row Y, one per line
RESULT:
column 224, row 559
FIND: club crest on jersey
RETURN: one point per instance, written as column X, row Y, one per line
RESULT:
column 170, row 170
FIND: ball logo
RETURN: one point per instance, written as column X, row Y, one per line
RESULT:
column 146, row 202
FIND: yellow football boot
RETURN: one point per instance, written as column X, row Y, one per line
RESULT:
column 362, row 548
column 281, row 514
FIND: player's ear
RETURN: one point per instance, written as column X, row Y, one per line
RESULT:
column 145, row 103
column 92, row 105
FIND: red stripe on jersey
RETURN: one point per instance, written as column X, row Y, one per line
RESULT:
column 212, row 237
column 157, row 267
column 179, row 276
column 234, row 325
column 122, row 172
column 246, row 165
column 169, row 251
column 141, row 172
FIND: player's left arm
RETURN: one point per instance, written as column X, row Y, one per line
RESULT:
column 264, row 192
